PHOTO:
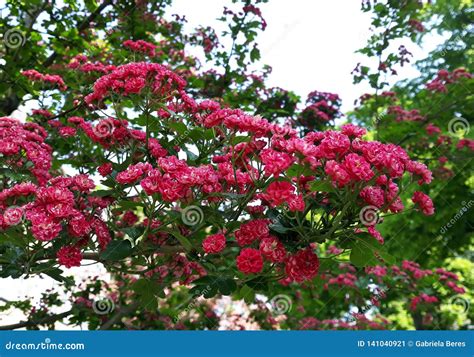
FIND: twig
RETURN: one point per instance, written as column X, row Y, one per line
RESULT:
column 118, row 315
column 42, row 321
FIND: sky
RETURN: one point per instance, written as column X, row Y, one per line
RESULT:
column 310, row 45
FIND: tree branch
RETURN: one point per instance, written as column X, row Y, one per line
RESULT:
column 49, row 61
column 118, row 315
column 45, row 320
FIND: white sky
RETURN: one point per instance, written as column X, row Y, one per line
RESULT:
column 310, row 44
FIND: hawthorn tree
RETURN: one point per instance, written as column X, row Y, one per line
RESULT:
column 193, row 186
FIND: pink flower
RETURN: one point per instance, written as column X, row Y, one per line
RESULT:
column 250, row 261
column 69, row 256
column 141, row 46
column 353, row 130
column 278, row 192
column 358, row 167
column 376, row 234
column 296, row 203
column 67, row 131
column 425, row 203
column 432, row 129
column 272, row 249
column 45, row 229
column 13, row 215
column 303, row 265
column 105, row 169
column 275, row 162
column 132, row 173
column 214, row 243
column 252, row 231
column 54, row 79
column 337, row 173
column 373, row 195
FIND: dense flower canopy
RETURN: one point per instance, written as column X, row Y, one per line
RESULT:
column 192, row 186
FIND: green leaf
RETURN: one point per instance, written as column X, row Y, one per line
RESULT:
column 117, row 250
column 127, row 205
column 56, row 274
column 14, row 237
column 367, row 251
column 226, row 286
column 148, row 291
column 297, row 170
column 239, row 139
column 278, row 227
column 134, row 232
column 362, row 256
column 181, row 239
column 179, row 127
column 247, row 293
column 102, row 193
column 322, row 186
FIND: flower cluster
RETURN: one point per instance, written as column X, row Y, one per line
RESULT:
column 405, row 115
column 424, row 201
column 425, row 298
column 63, row 205
column 23, row 146
column 322, row 108
column 141, row 46
column 133, row 78
column 53, row 79
column 445, row 77
column 84, row 65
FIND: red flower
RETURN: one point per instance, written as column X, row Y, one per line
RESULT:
column 275, row 162
column 272, row 249
column 278, row 192
column 424, row 201
column 251, row 231
column 250, row 261
column 303, row 265
column 214, row 243
column 69, row 256
column 105, row 169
